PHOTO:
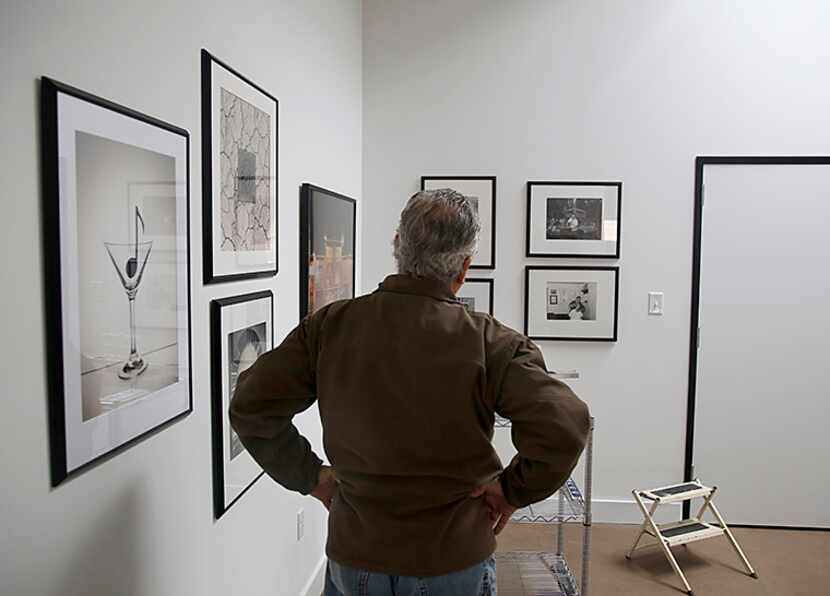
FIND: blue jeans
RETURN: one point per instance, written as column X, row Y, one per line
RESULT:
column 478, row 580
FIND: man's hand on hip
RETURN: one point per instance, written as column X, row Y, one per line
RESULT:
column 500, row 509
column 326, row 486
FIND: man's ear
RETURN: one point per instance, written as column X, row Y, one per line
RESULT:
column 465, row 266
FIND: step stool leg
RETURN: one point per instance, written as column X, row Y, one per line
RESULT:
column 675, row 566
column 663, row 544
column 642, row 527
column 636, row 542
column 732, row 540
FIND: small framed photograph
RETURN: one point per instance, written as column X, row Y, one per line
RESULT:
column 241, row 330
column 477, row 295
column 571, row 303
column 328, row 225
column 574, row 219
column 481, row 191
column 239, row 175
column 117, row 274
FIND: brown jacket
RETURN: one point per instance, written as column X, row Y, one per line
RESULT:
column 408, row 383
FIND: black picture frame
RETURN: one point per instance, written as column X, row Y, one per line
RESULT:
column 701, row 161
column 208, row 261
column 491, row 262
column 489, row 282
column 529, row 253
column 615, row 322
column 307, row 191
column 219, row 413
column 55, row 309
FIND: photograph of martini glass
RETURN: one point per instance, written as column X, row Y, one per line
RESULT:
column 127, row 278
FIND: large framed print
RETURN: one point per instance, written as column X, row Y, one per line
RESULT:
column 477, row 295
column 481, row 191
column 241, row 330
column 574, row 219
column 571, row 303
column 239, row 175
column 328, row 225
column 117, row 279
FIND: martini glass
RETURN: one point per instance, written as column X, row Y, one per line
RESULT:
column 129, row 260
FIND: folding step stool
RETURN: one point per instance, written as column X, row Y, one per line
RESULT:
column 687, row 530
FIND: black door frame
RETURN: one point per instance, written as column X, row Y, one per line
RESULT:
column 700, row 162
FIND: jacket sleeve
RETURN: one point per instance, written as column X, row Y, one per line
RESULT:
column 279, row 385
column 549, row 427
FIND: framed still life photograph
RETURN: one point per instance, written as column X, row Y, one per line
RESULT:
column 241, row 330
column 574, row 219
column 481, row 191
column 328, row 224
column 239, row 175
column 117, row 279
column 477, row 295
column 571, row 303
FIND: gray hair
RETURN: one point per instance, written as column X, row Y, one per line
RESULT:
column 437, row 231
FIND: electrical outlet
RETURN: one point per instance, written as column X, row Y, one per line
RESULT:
column 300, row 524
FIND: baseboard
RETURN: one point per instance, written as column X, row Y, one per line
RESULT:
column 626, row 511
column 314, row 585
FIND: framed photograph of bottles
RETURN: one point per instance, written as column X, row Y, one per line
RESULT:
column 328, row 222
column 117, row 279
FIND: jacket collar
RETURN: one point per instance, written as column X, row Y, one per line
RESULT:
column 421, row 286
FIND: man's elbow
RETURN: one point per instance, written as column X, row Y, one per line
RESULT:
column 582, row 418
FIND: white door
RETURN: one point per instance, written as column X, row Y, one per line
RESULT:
column 762, row 423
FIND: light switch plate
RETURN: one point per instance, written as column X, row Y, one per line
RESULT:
column 655, row 303
column 300, row 524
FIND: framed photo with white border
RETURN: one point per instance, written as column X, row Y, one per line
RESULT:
column 482, row 190
column 239, row 175
column 117, row 275
column 241, row 330
column 574, row 219
column 477, row 295
column 571, row 303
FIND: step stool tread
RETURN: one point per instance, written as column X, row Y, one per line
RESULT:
column 676, row 489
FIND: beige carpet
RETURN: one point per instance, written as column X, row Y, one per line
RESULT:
column 789, row 563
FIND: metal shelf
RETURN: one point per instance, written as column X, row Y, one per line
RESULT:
column 527, row 573
column 543, row 573
column 571, row 508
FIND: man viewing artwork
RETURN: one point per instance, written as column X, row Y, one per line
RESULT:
column 408, row 383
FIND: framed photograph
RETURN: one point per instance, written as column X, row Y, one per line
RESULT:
column 481, row 191
column 574, row 219
column 477, row 295
column 328, row 224
column 117, row 278
column 241, row 330
column 571, row 303
column 239, row 175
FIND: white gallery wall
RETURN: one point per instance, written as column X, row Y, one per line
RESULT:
column 141, row 523
column 592, row 90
